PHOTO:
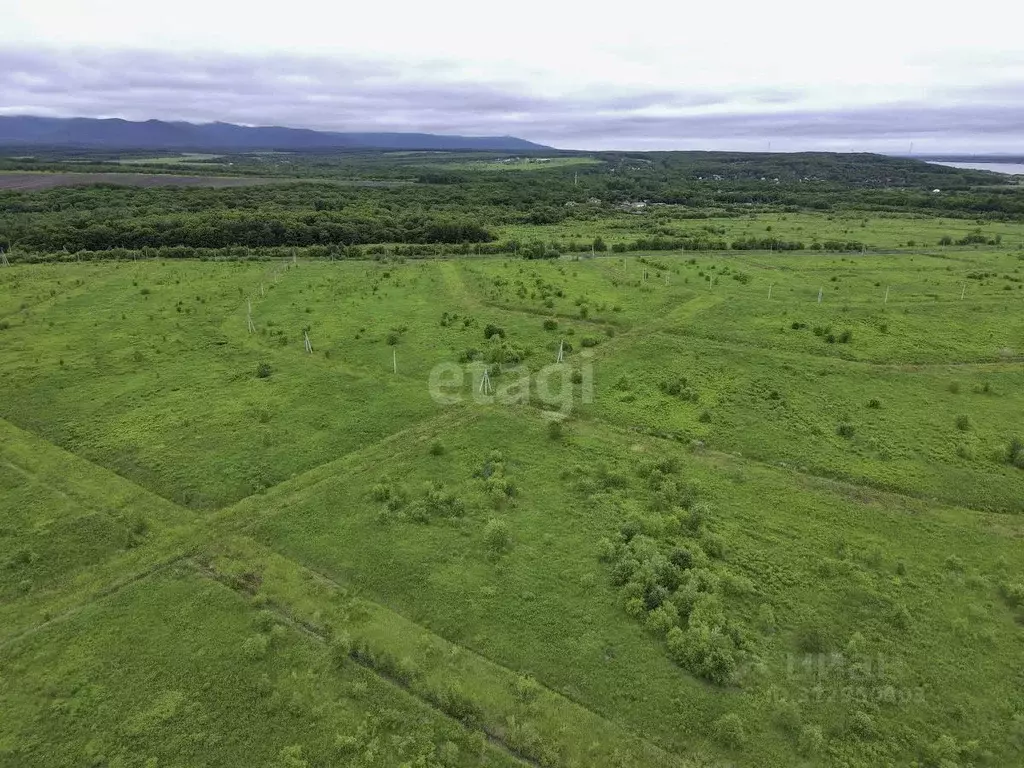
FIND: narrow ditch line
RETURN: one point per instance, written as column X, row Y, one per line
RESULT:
column 819, row 476
column 669, row 754
column 317, row 634
column 100, row 595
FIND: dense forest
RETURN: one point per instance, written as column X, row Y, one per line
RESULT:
column 462, row 199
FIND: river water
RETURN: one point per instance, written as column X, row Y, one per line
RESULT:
column 1016, row 169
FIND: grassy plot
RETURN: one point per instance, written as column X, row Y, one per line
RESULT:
column 504, row 560
column 623, row 225
column 528, row 719
column 70, row 530
column 163, row 384
column 729, row 529
column 168, row 670
column 940, row 432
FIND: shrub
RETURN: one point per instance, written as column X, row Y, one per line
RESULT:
column 590, row 341
column 846, row 337
column 899, row 616
column 263, row 371
column 256, row 647
column 811, row 740
column 845, row 430
column 681, row 558
column 811, row 638
column 787, row 716
column 497, row 537
column 1013, row 594
column 437, row 448
column 700, row 511
column 954, row 563
column 392, row 338
column 729, row 730
column 381, row 492
column 493, row 330
column 713, row 545
column 556, row 431
column 954, row 387
column 875, row 403
column 1015, row 452
column 340, row 650
column 862, row 724
column 705, row 651
column 963, row 422
column 439, row 502
column 525, row 688
column 705, row 417
column 663, row 618
column 550, row 324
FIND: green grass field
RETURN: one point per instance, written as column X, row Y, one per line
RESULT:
column 875, row 231
column 185, row 158
column 738, row 524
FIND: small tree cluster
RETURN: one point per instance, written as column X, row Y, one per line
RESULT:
column 669, row 582
column 497, row 537
column 680, row 387
column 1015, row 452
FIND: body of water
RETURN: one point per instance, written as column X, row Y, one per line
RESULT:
column 1016, row 169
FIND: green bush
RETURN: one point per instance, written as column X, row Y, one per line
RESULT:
column 1013, row 594
column 497, row 537
column 340, row 650
column 255, row 648
column 263, row 371
column 845, row 430
column 707, row 652
column 811, row 741
column 439, row 502
column 491, row 330
column 729, row 731
column 862, row 724
column 713, row 545
column 550, row 324
column 556, row 431
column 437, row 448
column 787, row 717
column 1015, row 452
column 875, row 403
column 663, row 618
column 811, row 638
column 526, row 688
column 963, row 422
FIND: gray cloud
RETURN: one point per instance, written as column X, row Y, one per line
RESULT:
column 360, row 95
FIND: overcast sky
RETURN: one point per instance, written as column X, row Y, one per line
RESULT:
column 869, row 75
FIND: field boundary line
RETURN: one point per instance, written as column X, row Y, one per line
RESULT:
column 310, row 478
column 97, row 597
column 684, row 333
column 317, row 634
column 667, row 754
column 93, row 466
column 822, row 477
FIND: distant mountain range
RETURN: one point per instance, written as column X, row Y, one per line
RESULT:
column 113, row 134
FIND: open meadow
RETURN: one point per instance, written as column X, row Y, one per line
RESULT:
column 664, row 508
